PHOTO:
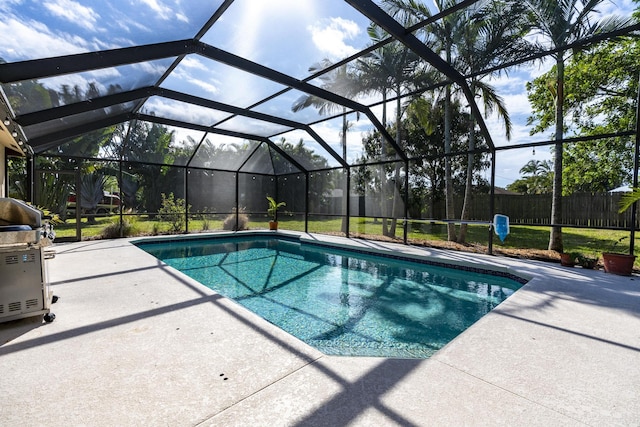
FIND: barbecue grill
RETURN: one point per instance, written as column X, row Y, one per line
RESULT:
column 24, row 238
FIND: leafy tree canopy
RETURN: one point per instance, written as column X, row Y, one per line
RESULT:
column 601, row 86
column 537, row 178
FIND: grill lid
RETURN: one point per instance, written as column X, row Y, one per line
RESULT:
column 17, row 212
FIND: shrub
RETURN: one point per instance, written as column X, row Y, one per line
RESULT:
column 230, row 221
column 205, row 223
column 173, row 211
column 128, row 228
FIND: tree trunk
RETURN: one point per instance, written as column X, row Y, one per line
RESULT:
column 555, row 238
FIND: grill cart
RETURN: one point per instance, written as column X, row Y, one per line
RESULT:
column 24, row 286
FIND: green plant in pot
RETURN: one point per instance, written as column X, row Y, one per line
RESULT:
column 586, row 261
column 568, row 259
column 618, row 262
column 272, row 212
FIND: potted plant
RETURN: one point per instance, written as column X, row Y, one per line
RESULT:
column 587, row 261
column 568, row 259
column 617, row 262
column 272, row 212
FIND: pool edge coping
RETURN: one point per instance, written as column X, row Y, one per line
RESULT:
column 358, row 246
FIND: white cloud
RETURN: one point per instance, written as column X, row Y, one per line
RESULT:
column 32, row 39
column 331, row 37
column 210, row 88
column 165, row 12
column 73, row 12
column 622, row 8
column 188, row 72
column 183, row 111
column 160, row 9
column 150, row 68
column 7, row 6
column 182, row 17
column 194, row 63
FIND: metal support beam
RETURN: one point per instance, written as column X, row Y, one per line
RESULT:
column 143, row 93
column 237, row 220
column 121, row 192
column 636, row 164
column 492, row 200
column 186, row 199
column 45, row 142
column 406, row 202
column 306, row 202
column 83, row 106
column 286, row 80
column 348, row 202
column 81, row 62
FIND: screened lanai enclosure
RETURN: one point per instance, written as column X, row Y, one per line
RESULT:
column 383, row 119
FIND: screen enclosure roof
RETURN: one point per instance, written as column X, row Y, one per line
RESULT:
column 233, row 81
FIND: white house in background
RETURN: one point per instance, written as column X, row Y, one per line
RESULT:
column 623, row 189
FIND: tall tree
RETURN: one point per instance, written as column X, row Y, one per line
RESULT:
column 444, row 31
column 392, row 70
column 562, row 22
column 425, row 131
column 472, row 40
column 342, row 82
column 601, row 85
column 151, row 143
column 495, row 34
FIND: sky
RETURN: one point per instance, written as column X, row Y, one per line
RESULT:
column 288, row 36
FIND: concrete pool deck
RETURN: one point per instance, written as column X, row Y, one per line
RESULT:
column 136, row 343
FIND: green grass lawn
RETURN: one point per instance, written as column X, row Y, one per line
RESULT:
column 589, row 242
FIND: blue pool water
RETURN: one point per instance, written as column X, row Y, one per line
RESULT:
column 341, row 302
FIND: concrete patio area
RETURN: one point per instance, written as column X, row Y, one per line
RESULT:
column 136, row 343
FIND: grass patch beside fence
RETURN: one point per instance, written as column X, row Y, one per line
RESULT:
column 590, row 242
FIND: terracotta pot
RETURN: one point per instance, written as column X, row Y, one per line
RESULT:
column 273, row 225
column 620, row 264
column 567, row 260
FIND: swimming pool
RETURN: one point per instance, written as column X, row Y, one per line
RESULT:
column 340, row 301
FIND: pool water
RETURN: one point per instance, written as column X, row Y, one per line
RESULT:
column 341, row 302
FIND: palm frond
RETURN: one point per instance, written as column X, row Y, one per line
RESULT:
column 629, row 199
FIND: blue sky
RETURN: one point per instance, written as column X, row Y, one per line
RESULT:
column 286, row 35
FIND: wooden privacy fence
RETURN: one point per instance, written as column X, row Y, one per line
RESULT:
column 580, row 210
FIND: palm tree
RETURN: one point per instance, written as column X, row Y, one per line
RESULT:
column 341, row 82
column 471, row 40
column 539, row 174
column 392, row 69
column 494, row 34
column 563, row 22
column 444, row 32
